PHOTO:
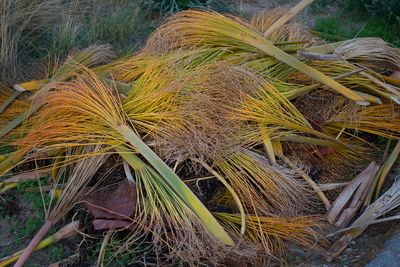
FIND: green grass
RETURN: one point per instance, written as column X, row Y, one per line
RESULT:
column 34, row 218
column 24, row 228
column 124, row 25
column 359, row 18
column 62, row 26
column 292, row 259
column 167, row 7
column 56, row 253
column 349, row 27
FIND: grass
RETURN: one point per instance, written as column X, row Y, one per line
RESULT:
column 28, row 227
column 24, row 229
column 37, row 32
column 350, row 27
column 173, row 6
column 292, row 259
column 19, row 20
column 351, row 20
column 56, row 253
column 123, row 25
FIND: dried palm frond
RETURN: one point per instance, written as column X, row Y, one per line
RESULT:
column 212, row 92
column 85, row 112
column 215, row 30
column 90, row 56
column 275, row 25
column 352, row 197
column 381, row 120
column 370, row 50
column 6, row 102
column 270, row 233
column 264, row 189
column 163, row 216
column 357, row 78
column 67, row 69
column 11, row 109
column 267, row 109
column 384, row 204
column 131, row 68
column 201, row 125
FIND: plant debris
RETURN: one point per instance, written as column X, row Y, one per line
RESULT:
column 222, row 125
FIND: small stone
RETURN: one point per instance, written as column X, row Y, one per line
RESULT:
column 385, row 258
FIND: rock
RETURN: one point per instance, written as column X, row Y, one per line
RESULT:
column 394, row 244
column 385, row 259
column 390, row 256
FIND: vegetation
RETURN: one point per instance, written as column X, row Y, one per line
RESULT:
column 361, row 18
column 172, row 6
column 33, row 33
column 196, row 148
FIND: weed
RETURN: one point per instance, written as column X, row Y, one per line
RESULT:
column 388, row 9
column 56, row 253
column 331, row 26
column 4, row 200
column 31, row 226
column 293, row 259
column 5, row 150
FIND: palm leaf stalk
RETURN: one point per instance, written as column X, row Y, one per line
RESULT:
column 80, row 177
column 382, row 174
column 384, row 204
column 9, row 100
column 13, row 108
column 159, row 204
column 65, row 232
column 288, row 16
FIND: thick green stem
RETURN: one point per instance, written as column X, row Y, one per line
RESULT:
column 177, row 185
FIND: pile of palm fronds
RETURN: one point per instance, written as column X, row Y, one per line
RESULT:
column 217, row 122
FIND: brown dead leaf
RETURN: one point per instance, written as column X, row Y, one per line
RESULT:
column 103, row 224
column 112, row 203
